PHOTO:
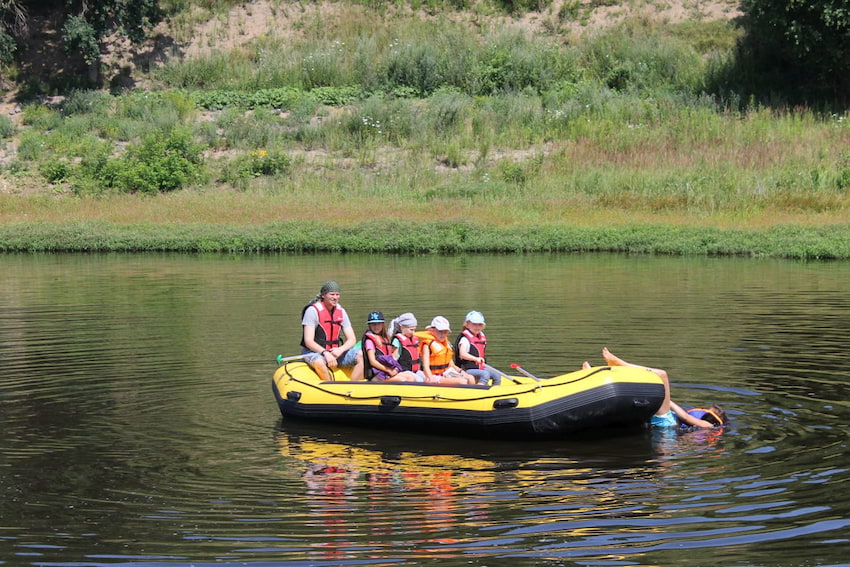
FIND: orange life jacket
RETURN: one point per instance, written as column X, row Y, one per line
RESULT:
column 441, row 352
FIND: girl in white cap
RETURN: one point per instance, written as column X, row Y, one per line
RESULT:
column 437, row 354
column 470, row 350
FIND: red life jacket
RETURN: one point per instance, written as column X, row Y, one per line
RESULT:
column 408, row 354
column 382, row 346
column 330, row 325
column 477, row 347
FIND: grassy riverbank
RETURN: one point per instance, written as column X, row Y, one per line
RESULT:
column 403, row 237
column 353, row 126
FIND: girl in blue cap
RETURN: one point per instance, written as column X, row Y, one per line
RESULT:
column 471, row 350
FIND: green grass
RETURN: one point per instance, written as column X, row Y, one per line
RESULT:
column 424, row 238
column 420, row 119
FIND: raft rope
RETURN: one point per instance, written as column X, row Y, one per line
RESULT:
column 439, row 396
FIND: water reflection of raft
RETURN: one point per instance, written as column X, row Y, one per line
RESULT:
column 521, row 407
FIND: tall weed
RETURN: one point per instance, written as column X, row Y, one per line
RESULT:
column 7, row 127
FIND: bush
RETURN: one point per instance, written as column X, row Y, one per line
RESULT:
column 446, row 110
column 7, row 127
column 164, row 161
column 799, row 46
column 256, row 164
column 41, row 117
column 7, row 48
column 85, row 102
column 513, row 173
column 55, row 171
column 414, row 65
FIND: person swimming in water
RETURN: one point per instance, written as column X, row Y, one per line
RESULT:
column 670, row 414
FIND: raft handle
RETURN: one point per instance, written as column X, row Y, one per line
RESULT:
column 506, row 403
column 293, row 396
column 390, row 401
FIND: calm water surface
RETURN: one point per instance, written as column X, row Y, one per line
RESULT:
column 138, row 427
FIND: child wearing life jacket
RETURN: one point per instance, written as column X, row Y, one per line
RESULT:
column 670, row 414
column 381, row 365
column 470, row 350
column 437, row 355
column 405, row 344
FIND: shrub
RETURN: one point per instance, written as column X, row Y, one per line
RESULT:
column 800, row 46
column 86, row 101
column 7, row 127
column 513, row 172
column 55, row 171
column 7, row 48
column 41, row 117
column 446, row 110
column 414, row 65
column 164, row 161
column 256, row 164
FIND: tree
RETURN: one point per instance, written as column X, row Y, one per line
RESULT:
column 88, row 22
column 13, row 23
column 804, row 45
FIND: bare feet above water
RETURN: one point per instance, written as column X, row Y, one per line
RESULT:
column 611, row 359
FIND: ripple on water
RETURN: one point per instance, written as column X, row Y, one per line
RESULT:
column 139, row 427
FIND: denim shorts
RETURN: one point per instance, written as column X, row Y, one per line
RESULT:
column 347, row 360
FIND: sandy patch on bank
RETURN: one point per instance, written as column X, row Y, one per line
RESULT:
column 286, row 20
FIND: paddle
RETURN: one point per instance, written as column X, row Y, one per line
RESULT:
column 529, row 374
column 281, row 359
column 497, row 371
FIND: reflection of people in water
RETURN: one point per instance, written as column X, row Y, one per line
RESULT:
column 330, row 487
column 329, row 479
column 670, row 414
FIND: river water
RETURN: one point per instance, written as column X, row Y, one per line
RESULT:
column 138, row 426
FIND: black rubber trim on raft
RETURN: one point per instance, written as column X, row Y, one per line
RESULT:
column 607, row 405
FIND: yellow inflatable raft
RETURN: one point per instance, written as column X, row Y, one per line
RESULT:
column 521, row 407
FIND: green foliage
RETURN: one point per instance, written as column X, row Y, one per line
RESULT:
column 282, row 98
column 7, row 48
column 446, row 111
column 639, row 57
column 416, row 66
column 80, row 37
column 85, row 102
column 569, row 11
column 522, row 6
column 55, row 171
column 87, row 22
column 258, row 163
column 513, row 63
column 41, row 117
column 513, row 173
column 163, row 161
column 796, row 47
column 405, row 237
column 7, row 127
